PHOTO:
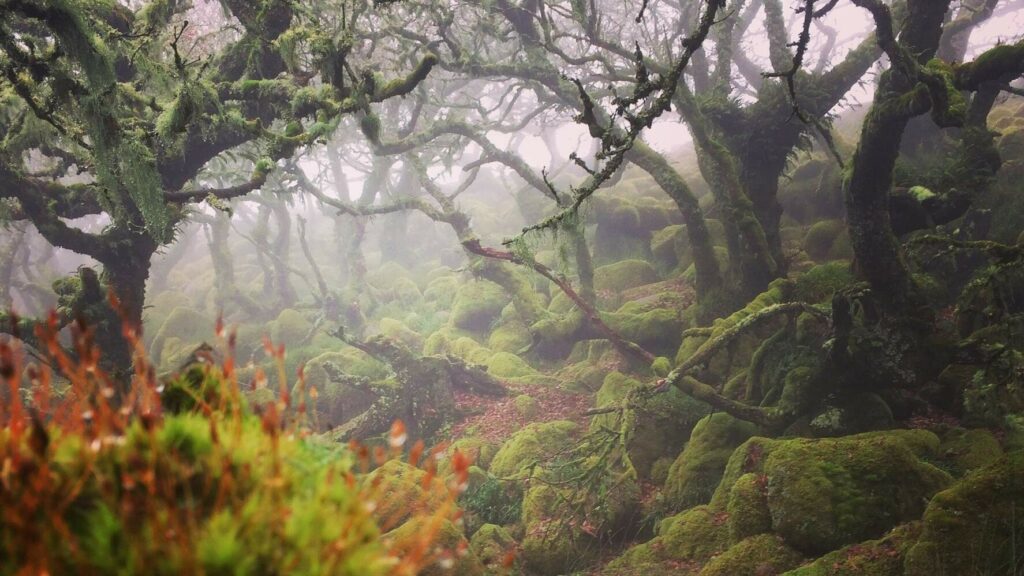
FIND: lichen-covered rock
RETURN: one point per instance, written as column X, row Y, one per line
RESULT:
column 976, row 526
column 492, row 544
column 695, row 474
column 624, row 275
column 477, row 304
column 534, row 443
column 882, row 557
column 754, row 556
column 825, row 494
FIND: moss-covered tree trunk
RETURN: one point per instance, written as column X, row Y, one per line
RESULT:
column 898, row 97
column 709, row 276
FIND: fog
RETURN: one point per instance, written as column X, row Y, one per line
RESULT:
column 704, row 287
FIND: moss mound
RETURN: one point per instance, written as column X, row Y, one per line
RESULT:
column 754, row 556
column 491, row 544
column 624, row 275
column 476, row 305
column 695, row 474
column 825, row 494
column 535, row 443
column 976, row 526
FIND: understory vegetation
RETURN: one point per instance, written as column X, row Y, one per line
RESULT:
column 512, row 287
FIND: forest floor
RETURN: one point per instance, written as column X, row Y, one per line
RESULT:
column 496, row 418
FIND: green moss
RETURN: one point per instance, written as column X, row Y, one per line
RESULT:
column 511, row 336
column 825, row 494
column 188, row 326
column 658, row 329
column 691, row 537
column 398, row 484
column 882, row 557
column 663, row 247
column 655, row 426
column 661, row 366
column 491, row 544
column 508, row 365
column 624, row 275
column 748, row 507
column 398, row 331
column 755, row 556
column 477, row 304
column 820, row 237
column 449, row 542
column 820, row 282
column 527, row 406
column 968, row 450
column 441, row 291
column 534, row 443
column 290, row 328
column 976, row 526
column 697, row 471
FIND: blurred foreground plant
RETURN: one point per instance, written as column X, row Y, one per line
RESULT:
column 187, row 478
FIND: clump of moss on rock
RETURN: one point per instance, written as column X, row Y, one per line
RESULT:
column 825, row 494
column 533, row 444
column 976, row 525
column 695, row 474
column 476, row 305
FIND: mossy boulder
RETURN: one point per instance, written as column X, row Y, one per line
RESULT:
column 534, row 443
column 976, row 526
column 881, row 557
column 491, row 544
column 398, row 331
column 820, row 237
column 441, row 291
column 825, row 494
column 656, row 426
column 754, row 556
column 624, row 275
column 508, row 365
column 527, row 406
column 658, row 329
column 477, row 304
column 449, row 546
column 663, row 247
column 479, row 451
column 687, row 539
column 967, row 450
column 822, row 281
column 564, row 526
column 190, row 327
column 290, row 328
column 695, row 474
column 512, row 336
column 396, row 485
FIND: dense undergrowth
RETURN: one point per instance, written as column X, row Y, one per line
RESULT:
column 186, row 476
